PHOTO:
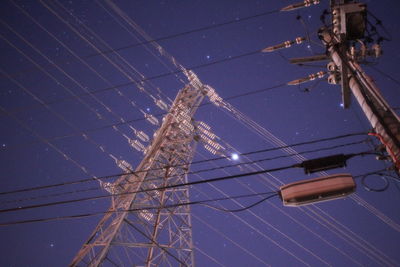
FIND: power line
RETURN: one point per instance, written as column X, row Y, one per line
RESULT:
column 200, row 202
column 208, row 27
column 85, row 215
column 212, row 180
column 134, row 120
column 159, row 75
column 200, row 161
column 244, row 208
column 78, row 96
column 378, row 22
column 195, row 162
column 306, row 143
column 189, row 173
column 385, row 74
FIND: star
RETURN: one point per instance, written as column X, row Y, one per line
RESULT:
column 208, row 56
column 51, row 245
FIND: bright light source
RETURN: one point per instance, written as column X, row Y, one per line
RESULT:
column 235, row 156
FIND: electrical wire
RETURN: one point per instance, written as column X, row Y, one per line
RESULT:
column 195, row 162
column 222, row 234
column 378, row 22
column 385, row 177
column 242, row 209
column 208, row 27
column 127, row 121
column 78, row 96
column 388, row 148
column 371, row 189
column 189, row 173
column 199, row 202
column 344, row 233
column 212, row 180
column 130, row 210
column 384, row 218
column 385, row 74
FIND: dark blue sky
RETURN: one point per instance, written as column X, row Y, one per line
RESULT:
column 48, row 56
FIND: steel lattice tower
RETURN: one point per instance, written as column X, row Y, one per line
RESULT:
column 152, row 237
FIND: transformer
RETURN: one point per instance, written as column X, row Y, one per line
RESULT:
column 349, row 21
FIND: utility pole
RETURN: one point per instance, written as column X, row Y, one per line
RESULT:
column 346, row 47
column 160, row 236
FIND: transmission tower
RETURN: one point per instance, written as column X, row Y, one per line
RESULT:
column 129, row 234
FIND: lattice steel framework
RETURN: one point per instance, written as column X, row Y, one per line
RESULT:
column 152, row 237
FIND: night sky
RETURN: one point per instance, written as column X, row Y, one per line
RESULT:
column 60, row 97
